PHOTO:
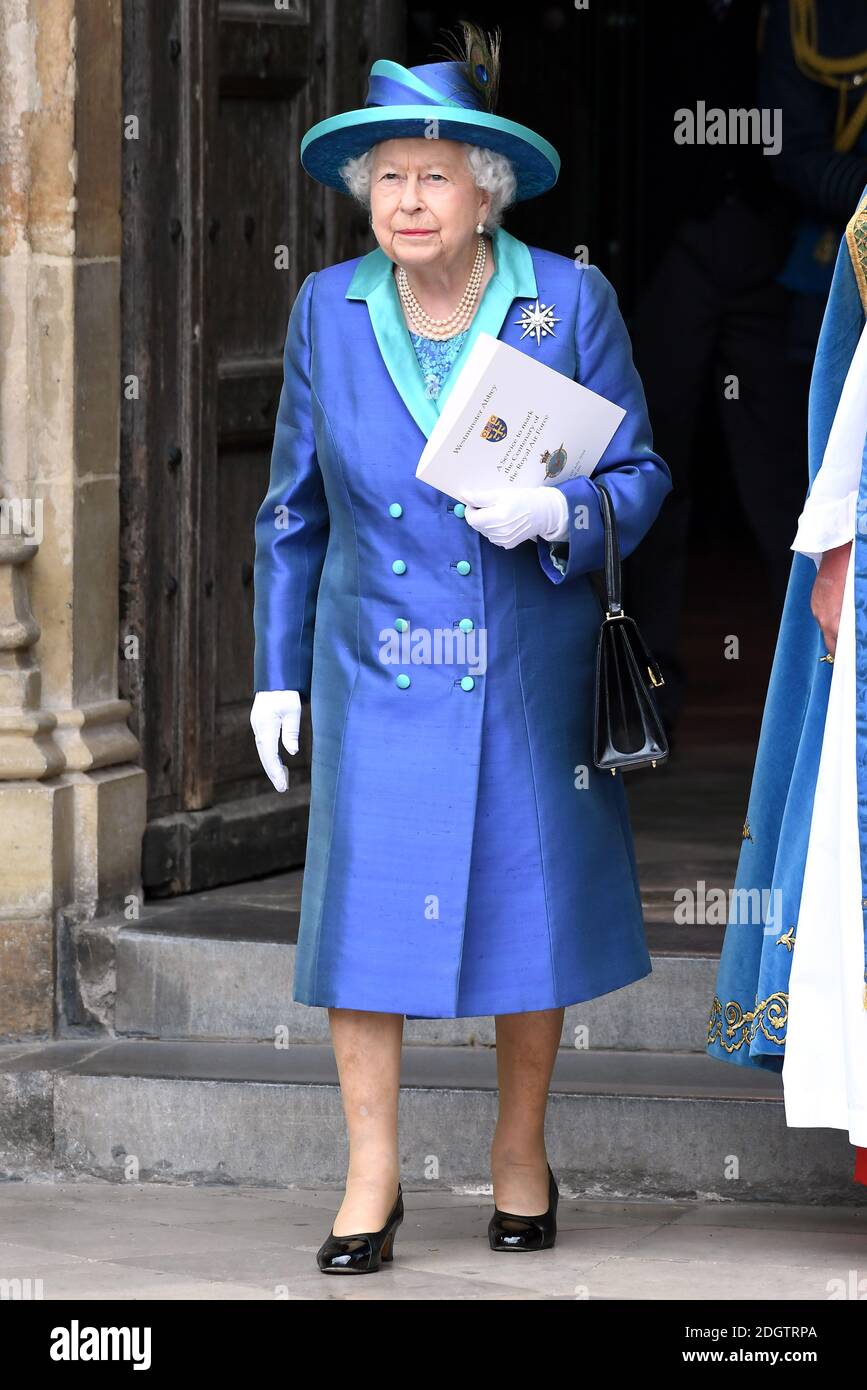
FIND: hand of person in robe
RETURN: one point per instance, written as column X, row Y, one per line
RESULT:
column 273, row 712
column 826, row 600
column 510, row 515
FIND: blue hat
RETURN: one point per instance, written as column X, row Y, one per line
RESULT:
column 403, row 102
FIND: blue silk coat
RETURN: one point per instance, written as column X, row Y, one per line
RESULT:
column 464, row 857
column 749, row 1010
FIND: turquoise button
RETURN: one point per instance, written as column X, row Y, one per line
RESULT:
column 395, row 509
column 460, row 509
column 401, row 624
column 399, row 566
column 402, row 681
column 466, row 624
column 467, row 682
column 463, row 567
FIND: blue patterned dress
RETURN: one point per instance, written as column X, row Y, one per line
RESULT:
column 436, row 357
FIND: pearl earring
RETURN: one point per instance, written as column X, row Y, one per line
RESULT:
column 479, row 229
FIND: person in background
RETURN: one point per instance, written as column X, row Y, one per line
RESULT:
column 733, row 294
column 791, row 992
column 814, row 70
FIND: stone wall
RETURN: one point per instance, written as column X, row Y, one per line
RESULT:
column 72, row 792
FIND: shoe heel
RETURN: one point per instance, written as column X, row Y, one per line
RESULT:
column 363, row 1253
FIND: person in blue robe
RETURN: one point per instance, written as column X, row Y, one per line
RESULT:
column 793, row 968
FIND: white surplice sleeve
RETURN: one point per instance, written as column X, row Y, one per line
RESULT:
column 829, row 514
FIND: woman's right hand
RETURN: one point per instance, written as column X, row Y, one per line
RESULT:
column 275, row 711
column 826, row 600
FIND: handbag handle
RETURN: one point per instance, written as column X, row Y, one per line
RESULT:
column 612, row 582
column 613, row 605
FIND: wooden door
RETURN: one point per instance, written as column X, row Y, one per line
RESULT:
column 221, row 225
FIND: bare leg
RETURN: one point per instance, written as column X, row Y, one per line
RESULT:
column 526, row 1052
column 367, row 1048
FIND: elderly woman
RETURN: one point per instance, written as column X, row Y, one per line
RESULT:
column 464, row 856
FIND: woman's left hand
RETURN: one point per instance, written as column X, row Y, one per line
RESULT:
column 826, row 600
column 510, row 515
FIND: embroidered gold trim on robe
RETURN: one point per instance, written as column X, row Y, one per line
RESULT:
column 772, row 1012
column 856, row 238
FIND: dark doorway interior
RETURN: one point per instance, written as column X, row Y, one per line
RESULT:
column 602, row 84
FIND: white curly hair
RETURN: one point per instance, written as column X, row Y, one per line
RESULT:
column 491, row 171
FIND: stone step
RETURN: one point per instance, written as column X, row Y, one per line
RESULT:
column 620, row 1124
column 185, row 976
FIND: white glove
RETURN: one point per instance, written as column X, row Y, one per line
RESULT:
column 272, row 711
column 510, row 515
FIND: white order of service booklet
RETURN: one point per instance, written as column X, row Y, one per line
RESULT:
column 510, row 420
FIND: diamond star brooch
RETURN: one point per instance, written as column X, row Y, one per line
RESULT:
column 538, row 319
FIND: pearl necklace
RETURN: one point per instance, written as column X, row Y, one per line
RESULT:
column 456, row 321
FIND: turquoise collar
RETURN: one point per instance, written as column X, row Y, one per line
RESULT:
column 373, row 280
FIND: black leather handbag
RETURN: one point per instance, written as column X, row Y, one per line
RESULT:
column 628, row 729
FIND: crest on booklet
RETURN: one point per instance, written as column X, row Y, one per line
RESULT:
column 495, row 430
column 554, row 462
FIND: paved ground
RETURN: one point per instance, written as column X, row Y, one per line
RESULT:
column 100, row 1241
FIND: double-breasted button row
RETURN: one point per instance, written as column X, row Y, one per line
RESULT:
column 462, row 566
column 465, row 682
column 401, row 624
column 465, row 624
column 395, row 509
column 399, row 566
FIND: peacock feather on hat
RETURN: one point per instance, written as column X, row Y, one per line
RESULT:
column 479, row 55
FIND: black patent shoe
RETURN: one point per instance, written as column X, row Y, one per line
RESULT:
column 507, row 1231
column 363, row 1253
